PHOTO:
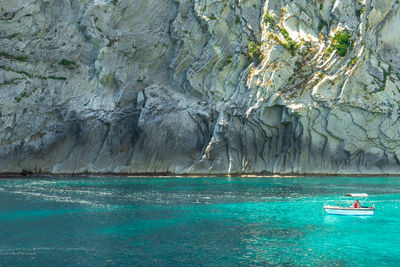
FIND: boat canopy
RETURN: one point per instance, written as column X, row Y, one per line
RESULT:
column 356, row 195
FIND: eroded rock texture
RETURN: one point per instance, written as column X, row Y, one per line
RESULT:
column 199, row 86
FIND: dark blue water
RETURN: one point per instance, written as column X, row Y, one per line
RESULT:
column 195, row 221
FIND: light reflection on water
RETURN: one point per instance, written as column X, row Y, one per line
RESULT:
column 207, row 221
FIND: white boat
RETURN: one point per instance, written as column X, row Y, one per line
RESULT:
column 337, row 210
column 350, row 209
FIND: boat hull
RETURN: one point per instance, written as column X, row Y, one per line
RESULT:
column 333, row 210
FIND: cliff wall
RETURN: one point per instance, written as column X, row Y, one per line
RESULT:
column 200, row 86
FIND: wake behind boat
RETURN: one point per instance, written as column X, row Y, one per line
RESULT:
column 354, row 209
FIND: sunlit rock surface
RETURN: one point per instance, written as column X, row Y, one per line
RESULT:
column 171, row 86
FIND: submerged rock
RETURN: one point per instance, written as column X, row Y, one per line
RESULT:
column 161, row 86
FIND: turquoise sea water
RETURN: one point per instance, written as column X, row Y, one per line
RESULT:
column 195, row 221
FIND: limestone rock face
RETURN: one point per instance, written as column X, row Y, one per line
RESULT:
column 200, row 86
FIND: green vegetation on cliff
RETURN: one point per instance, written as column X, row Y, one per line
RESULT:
column 254, row 51
column 66, row 62
column 341, row 42
column 268, row 18
column 14, row 57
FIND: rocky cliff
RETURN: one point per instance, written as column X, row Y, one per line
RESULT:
column 200, row 86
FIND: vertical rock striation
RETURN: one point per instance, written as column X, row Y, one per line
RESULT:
column 200, row 86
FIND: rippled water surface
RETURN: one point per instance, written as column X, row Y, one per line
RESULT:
column 195, row 221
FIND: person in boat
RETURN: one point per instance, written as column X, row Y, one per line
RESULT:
column 356, row 204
